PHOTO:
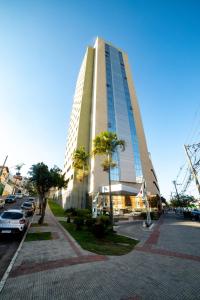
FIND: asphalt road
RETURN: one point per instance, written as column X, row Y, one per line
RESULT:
column 9, row 244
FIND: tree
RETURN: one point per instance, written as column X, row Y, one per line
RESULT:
column 43, row 179
column 80, row 164
column 183, row 201
column 18, row 168
column 107, row 143
column 29, row 187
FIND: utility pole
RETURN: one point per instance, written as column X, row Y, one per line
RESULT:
column 194, row 172
column 1, row 171
column 174, row 182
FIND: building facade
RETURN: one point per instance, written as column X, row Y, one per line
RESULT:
column 105, row 100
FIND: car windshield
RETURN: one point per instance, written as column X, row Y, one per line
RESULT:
column 11, row 215
column 12, row 197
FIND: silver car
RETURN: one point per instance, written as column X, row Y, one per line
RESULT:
column 13, row 221
column 28, row 207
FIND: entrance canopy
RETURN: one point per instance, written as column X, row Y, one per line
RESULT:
column 120, row 189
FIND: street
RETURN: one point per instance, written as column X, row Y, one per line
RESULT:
column 9, row 244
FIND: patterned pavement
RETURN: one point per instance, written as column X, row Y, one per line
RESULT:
column 164, row 265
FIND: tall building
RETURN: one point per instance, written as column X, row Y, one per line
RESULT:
column 105, row 100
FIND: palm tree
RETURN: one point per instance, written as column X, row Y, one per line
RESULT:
column 107, row 143
column 80, row 163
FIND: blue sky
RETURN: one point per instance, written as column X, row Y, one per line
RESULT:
column 42, row 44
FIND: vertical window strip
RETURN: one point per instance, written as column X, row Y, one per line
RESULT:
column 134, row 137
column 111, row 109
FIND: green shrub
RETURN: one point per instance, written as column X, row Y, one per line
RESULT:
column 79, row 221
column 72, row 211
column 105, row 220
column 89, row 222
column 98, row 230
column 68, row 217
column 78, row 212
column 83, row 212
column 101, row 226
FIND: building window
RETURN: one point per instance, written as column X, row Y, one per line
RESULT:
column 134, row 137
column 68, row 168
column 111, row 107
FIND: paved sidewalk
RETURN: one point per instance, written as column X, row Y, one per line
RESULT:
column 47, row 254
column 164, row 265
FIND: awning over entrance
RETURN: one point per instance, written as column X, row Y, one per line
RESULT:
column 120, row 189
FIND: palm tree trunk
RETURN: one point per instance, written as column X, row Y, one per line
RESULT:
column 110, row 195
column 83, row 205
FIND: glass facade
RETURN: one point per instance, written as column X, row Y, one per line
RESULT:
column 111, row 108
column 120, row 110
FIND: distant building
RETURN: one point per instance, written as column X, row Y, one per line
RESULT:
column 105, row 100
column 4, row 171
column 4, row 174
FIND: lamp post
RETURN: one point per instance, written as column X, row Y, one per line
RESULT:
column 94, row 205
column 146, row 202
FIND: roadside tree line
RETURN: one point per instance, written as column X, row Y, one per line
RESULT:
column 42, row 179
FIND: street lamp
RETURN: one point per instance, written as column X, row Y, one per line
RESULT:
column 146, row 202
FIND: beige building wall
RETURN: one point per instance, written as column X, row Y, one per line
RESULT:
column 79, row 131
column 144, row 154
column 99, row 115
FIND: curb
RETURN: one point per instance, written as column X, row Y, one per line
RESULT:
column 74, row 244
column 128, row 236
column 9, row 268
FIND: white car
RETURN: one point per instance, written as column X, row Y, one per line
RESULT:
column 18, row 196
column 2, row 203
column 13, row 221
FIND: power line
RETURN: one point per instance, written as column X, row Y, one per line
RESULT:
column 195, row 126
column 195, row 148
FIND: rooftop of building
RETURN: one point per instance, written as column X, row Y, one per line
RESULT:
column 106, row 42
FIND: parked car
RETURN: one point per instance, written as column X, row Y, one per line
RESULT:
column 28, row 207
column 10, row 199
column 13, row 221
column 2, row 203
column 18, row 196
column 196, row 214
column 32, row 200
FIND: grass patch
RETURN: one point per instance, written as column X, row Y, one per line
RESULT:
column 56, row 209
column 38, row 236
column 39, row 225
column 111, row 244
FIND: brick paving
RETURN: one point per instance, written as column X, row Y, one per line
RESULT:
column 38, row 267
column 164, row 265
